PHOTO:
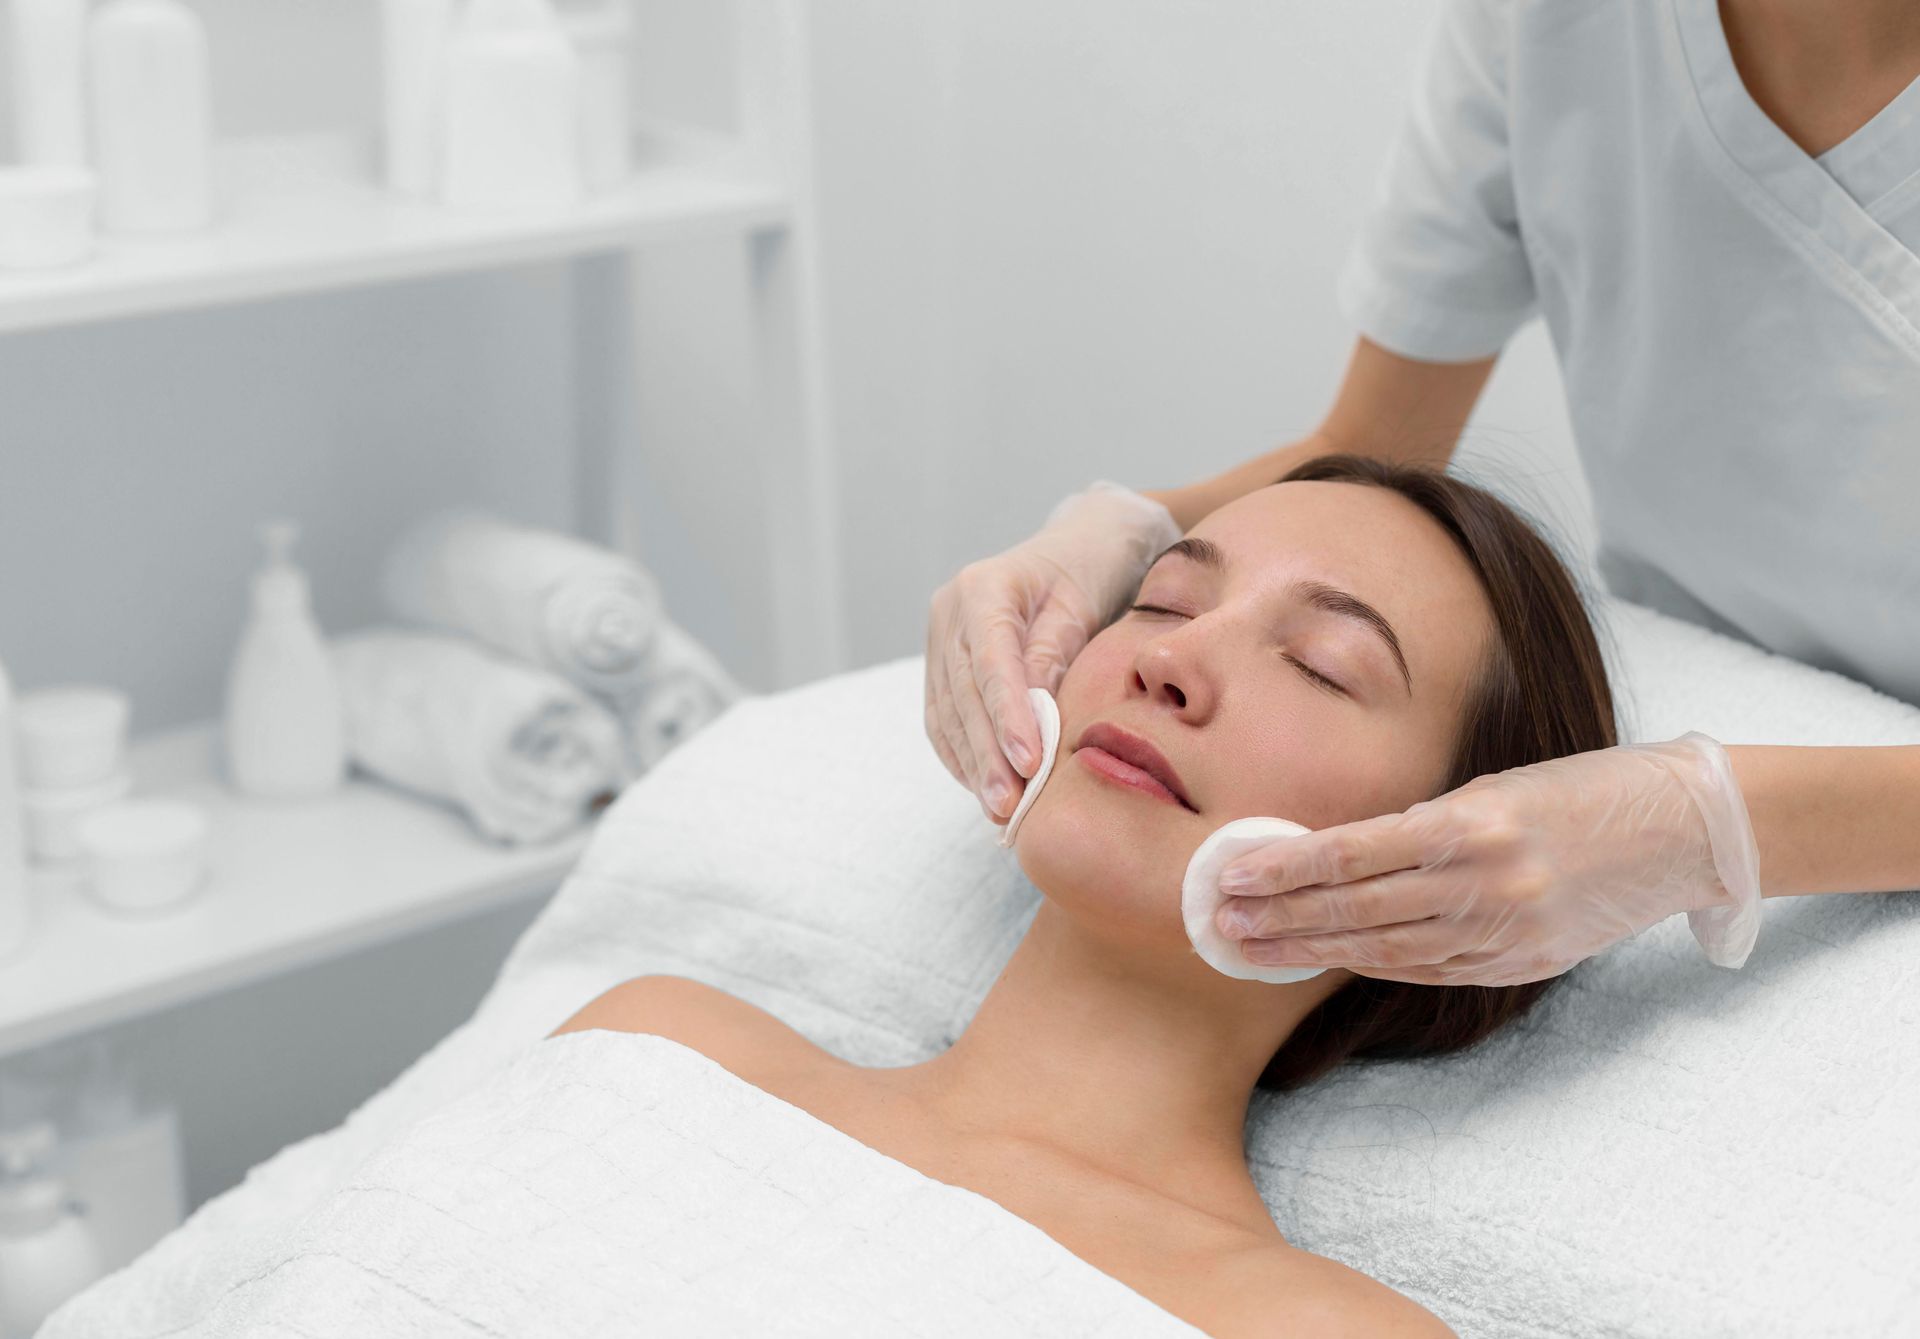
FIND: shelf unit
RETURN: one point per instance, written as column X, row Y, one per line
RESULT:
column 304, row 215
column 290, row 884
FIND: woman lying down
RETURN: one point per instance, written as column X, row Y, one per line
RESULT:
column 1074, row 1163
column 1100, row 1092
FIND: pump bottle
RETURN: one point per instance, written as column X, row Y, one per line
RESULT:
column 285, row 727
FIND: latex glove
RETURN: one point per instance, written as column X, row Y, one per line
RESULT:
column 1016, row 620
column 1518, row 875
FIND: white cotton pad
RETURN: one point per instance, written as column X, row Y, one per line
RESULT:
column 1047, row 712
column 1200, row 898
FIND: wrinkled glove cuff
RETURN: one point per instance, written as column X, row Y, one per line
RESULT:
column 1151, row 526
column 1726, row 931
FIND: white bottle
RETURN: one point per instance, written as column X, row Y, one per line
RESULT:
column 123, row 1160
column 286, row 731
column 49, row 91
column 512, row 127
column 16, row 905
column 47, row 1250
column 413, row 44
column 152, row 116
column 603, row 35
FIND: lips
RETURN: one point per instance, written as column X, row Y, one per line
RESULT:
column 1137, row 752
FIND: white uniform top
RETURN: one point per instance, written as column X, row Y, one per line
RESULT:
column 1737, row 323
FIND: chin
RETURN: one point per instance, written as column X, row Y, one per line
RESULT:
column 1105, row 862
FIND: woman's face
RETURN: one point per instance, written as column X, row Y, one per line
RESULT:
column 1224, row 686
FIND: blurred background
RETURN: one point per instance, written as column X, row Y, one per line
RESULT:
column 1055, row 243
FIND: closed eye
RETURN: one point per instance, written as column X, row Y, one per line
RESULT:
column 1306, row 669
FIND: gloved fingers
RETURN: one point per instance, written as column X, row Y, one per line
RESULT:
column 993, row 777
column 1382, row 899
column 937, row 731
column 942, row 721
column 1429, row 953
column 1334, row 856
column 1059, row 633
column 1384, row 948
column 1000, row 678
column 952, row 731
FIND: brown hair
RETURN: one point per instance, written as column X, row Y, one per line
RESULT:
column 1541, row 692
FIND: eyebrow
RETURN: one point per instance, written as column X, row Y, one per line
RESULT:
column 1316, row 593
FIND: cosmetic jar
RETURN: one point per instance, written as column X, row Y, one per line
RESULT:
column 145, row 855
column 73, row 735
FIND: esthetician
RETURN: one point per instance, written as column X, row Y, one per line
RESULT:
column 1716, row 210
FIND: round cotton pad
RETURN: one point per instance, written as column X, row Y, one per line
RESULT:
column 1200, row 898
column 1047, row 712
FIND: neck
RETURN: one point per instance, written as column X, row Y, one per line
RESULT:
column 1830, row 39
column 1119, row 1059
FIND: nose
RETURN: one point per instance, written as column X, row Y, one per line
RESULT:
column 1171, row 668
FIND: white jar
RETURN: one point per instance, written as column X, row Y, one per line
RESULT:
column 152, row 116
column 144, row 855
column 72, row 735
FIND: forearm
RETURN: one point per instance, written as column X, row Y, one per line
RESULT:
column 1192, row 503
column 1832, row 820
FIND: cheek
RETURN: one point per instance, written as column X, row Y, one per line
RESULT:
column 1091, row 854
column 1315, row 767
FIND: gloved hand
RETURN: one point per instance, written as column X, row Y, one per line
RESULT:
column 1518, row 875
column 1016, row 620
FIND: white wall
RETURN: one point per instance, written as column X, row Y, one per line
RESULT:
column 1061, row 242
column 1096, row 238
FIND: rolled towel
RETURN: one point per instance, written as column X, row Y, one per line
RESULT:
column 583, row 611
column 523, row 751
column 685, row 688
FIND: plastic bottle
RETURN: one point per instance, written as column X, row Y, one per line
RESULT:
column 152, row 116
column 413, row 44
column 123, row 1159
column 603, row 35
column 16, row 897
column 47, row 1250
column 49, row 41
column 285, row 727
column 512, row 127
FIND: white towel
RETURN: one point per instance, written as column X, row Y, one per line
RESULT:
column 520, row 749
column 581, row 610
column 609, row 1183
column 683, row 690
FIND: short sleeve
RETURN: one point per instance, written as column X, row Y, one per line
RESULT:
column 1438, row 271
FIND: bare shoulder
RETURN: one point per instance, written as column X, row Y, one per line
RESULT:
column 1287, row 1291
column 737, row 1035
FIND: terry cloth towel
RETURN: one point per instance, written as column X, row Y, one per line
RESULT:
column 521, row 750
column 683, row 690
column 612, row 1183
column 1661, row 1147
column 578, row 609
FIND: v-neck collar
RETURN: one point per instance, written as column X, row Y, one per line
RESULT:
column 1879, row 156
column 1786, row 186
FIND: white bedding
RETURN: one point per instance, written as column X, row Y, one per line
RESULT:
column 1662, row 1148
column 606, row 1183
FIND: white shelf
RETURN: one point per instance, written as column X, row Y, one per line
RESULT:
column 303, row 214
column 290, row 884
